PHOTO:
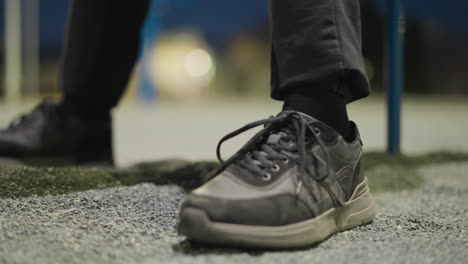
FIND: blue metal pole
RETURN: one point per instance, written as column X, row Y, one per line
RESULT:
column 394, row 73
column 147, row 91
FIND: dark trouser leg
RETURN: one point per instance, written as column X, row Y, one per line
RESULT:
column 100, row 51
column 317, row 65
column 317, row 41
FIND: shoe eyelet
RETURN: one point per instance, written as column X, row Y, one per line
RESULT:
column 275, row 168
column 266, row 176
column 285, row 160
column 317, row 131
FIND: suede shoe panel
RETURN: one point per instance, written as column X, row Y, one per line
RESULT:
column 273, row 211
column 228, row 186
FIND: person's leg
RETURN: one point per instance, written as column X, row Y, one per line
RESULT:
column 100, row 51
column 316, row 64
column 299, row 179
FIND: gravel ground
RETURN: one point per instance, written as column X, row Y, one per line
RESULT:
column 137, row 225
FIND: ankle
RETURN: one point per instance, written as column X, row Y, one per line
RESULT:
column 325, row 106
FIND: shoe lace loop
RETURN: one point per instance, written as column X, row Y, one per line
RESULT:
column 264, row 147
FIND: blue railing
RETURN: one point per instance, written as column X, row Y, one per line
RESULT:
column 394, row 73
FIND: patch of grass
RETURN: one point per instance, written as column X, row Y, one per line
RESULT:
column 16, row 181
column 24, row 181
column 385, row 172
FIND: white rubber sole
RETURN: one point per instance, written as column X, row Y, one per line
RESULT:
column 359, row 210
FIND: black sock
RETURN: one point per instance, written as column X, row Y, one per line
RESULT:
column 325, row 106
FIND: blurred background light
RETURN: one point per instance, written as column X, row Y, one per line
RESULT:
column 198, row 63
column 181, row 65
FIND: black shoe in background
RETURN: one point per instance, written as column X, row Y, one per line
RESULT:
column 52, row 136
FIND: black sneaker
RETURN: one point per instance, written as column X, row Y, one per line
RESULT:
column 52, row 136
column 293, row 184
